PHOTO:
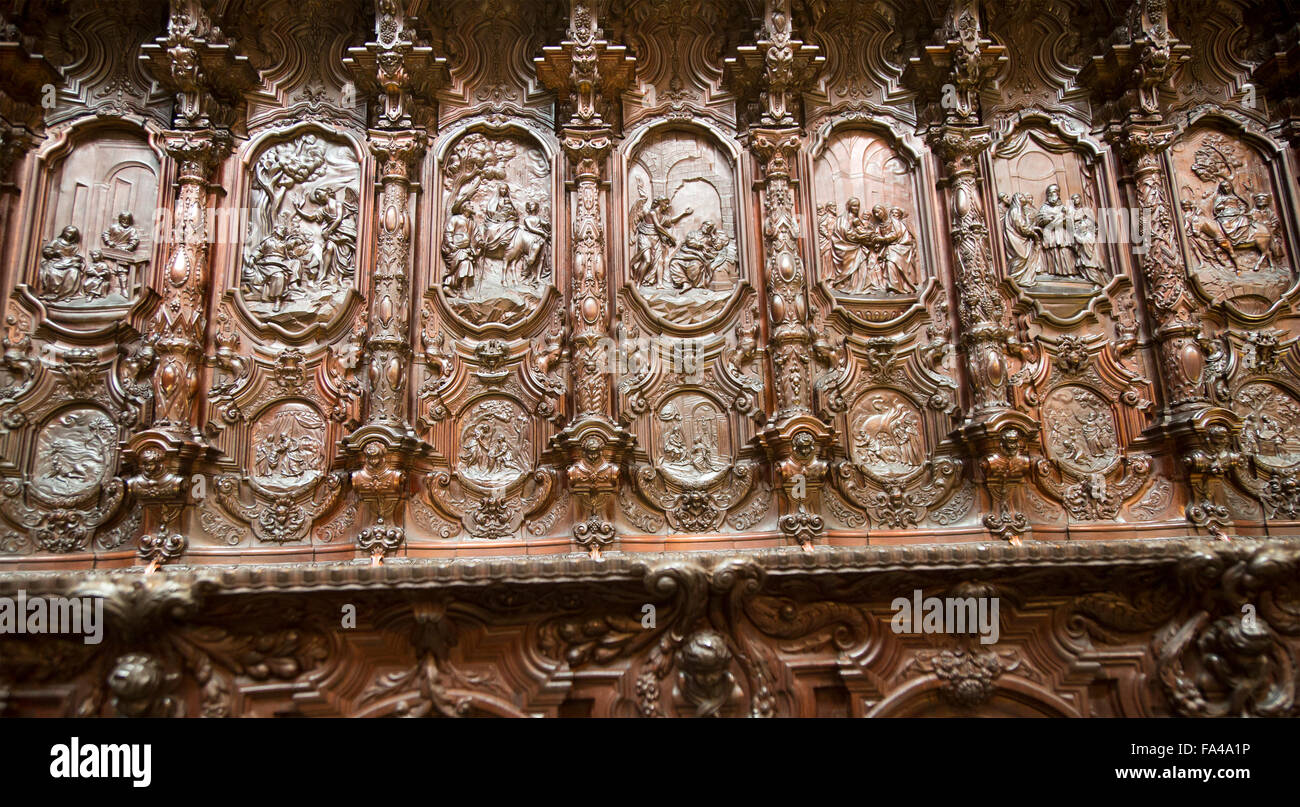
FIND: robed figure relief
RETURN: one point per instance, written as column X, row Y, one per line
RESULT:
column 1056, row 240
column 300, row 249
column 1236, row 242
column 496, row 235
column 872, row 252
column 865, row 223
column 681, row 244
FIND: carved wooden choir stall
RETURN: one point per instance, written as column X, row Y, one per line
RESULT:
column 631, row 357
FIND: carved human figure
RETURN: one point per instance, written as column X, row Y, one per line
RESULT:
column 1207, row 241
column 1233, row 216
column 61, row 265
column 99, row 276
column 338, row 220
column 1085, row 241
column 1024, row 255
column 1267, row 232
column 459, row 250
column 1056, row 225
column 650, row 238
column 899, row 253
column 121, row 234
column 848, row 238
column 701, row 255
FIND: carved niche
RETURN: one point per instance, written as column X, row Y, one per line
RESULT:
column 682, row 260
column 1229, row 210
column 869, row 256
column 98, row 240
column 298, row 267
column 495, row 241
column 1055, row 249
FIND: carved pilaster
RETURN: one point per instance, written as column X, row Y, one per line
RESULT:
column 584, row 68
column 1129, row 74
column 950, row 75
column 386, row 443
column 173, row 341
column 797, row 442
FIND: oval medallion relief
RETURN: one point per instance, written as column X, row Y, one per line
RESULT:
column 76, row 452
column 288, row 447
column 885, row 434
column 495, row 452
column 1080, row 430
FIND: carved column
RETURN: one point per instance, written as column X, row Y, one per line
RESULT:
column 200, row 67
column 584, row 68
column 1129, row 74
column 950, row 75
column 796, row 441
column 396, row 71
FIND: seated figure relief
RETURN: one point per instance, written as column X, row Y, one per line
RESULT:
column 300, row 252
column 681, row 247
column 497, row 231
column 1235, row 240
column 869, row 253
column 687, row 272
column 103, row 277
column 1054, row 241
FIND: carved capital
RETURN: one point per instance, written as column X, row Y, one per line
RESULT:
column 396, row 153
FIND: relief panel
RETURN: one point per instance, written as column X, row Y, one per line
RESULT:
column 496, row 248
column 869, row 258
column 298, row 266
column 682, row 257
column 98, row 229
column 1236, row 244
column 1055, row 252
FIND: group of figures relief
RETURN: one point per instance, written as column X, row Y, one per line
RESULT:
column 67, row 277
column 693, row 440
column 1054, row 241
column 495, row 451
column 300, row 250
column 1270, row 424
column 497, row 233
column 1234, row 236
column 1080, row 430
column 681, row 248
column 868, row 253
column 660, row 261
